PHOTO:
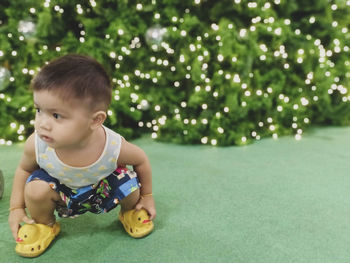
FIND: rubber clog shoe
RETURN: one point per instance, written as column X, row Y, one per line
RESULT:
column 136, row 223
column 34, row 239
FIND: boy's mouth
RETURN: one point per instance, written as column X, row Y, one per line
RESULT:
column 46, row 138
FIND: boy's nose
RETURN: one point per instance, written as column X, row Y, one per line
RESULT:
column 44, row 124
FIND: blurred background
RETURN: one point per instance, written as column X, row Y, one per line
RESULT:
column 225, row 72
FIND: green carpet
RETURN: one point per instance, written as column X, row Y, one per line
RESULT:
column 273, row 201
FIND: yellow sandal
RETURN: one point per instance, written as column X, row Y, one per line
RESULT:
column 34, row 239
column 136, row 223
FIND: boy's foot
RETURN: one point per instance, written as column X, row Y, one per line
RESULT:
column 34, row 239
column 136, row 222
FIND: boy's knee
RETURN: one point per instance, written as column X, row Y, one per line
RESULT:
column 37, row 191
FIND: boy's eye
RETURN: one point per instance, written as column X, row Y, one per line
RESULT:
column 56, row 115
column 37, row 110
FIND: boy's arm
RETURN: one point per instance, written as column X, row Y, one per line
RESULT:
column 25, row 167
column 131, row 154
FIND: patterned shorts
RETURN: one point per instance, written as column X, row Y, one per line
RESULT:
column 98, row 198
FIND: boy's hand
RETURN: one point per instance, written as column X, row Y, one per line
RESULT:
column 147, row 202
column 16, row 217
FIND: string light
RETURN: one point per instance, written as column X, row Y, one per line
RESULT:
column 208, row 73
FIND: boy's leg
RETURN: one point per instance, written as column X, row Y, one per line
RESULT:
column 130, row 201
column 136, row 222
column 41, row 200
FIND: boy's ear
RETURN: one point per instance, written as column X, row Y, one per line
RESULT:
column 98, row 119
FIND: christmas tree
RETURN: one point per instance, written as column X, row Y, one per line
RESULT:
column 213, row 72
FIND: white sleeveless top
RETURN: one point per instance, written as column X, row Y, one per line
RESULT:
column 76, row 177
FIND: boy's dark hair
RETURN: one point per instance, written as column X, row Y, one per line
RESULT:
column 76, row 76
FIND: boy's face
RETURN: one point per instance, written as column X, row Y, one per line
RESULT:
column 62, row 124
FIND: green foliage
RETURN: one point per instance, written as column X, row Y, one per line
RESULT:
column 225, row 72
